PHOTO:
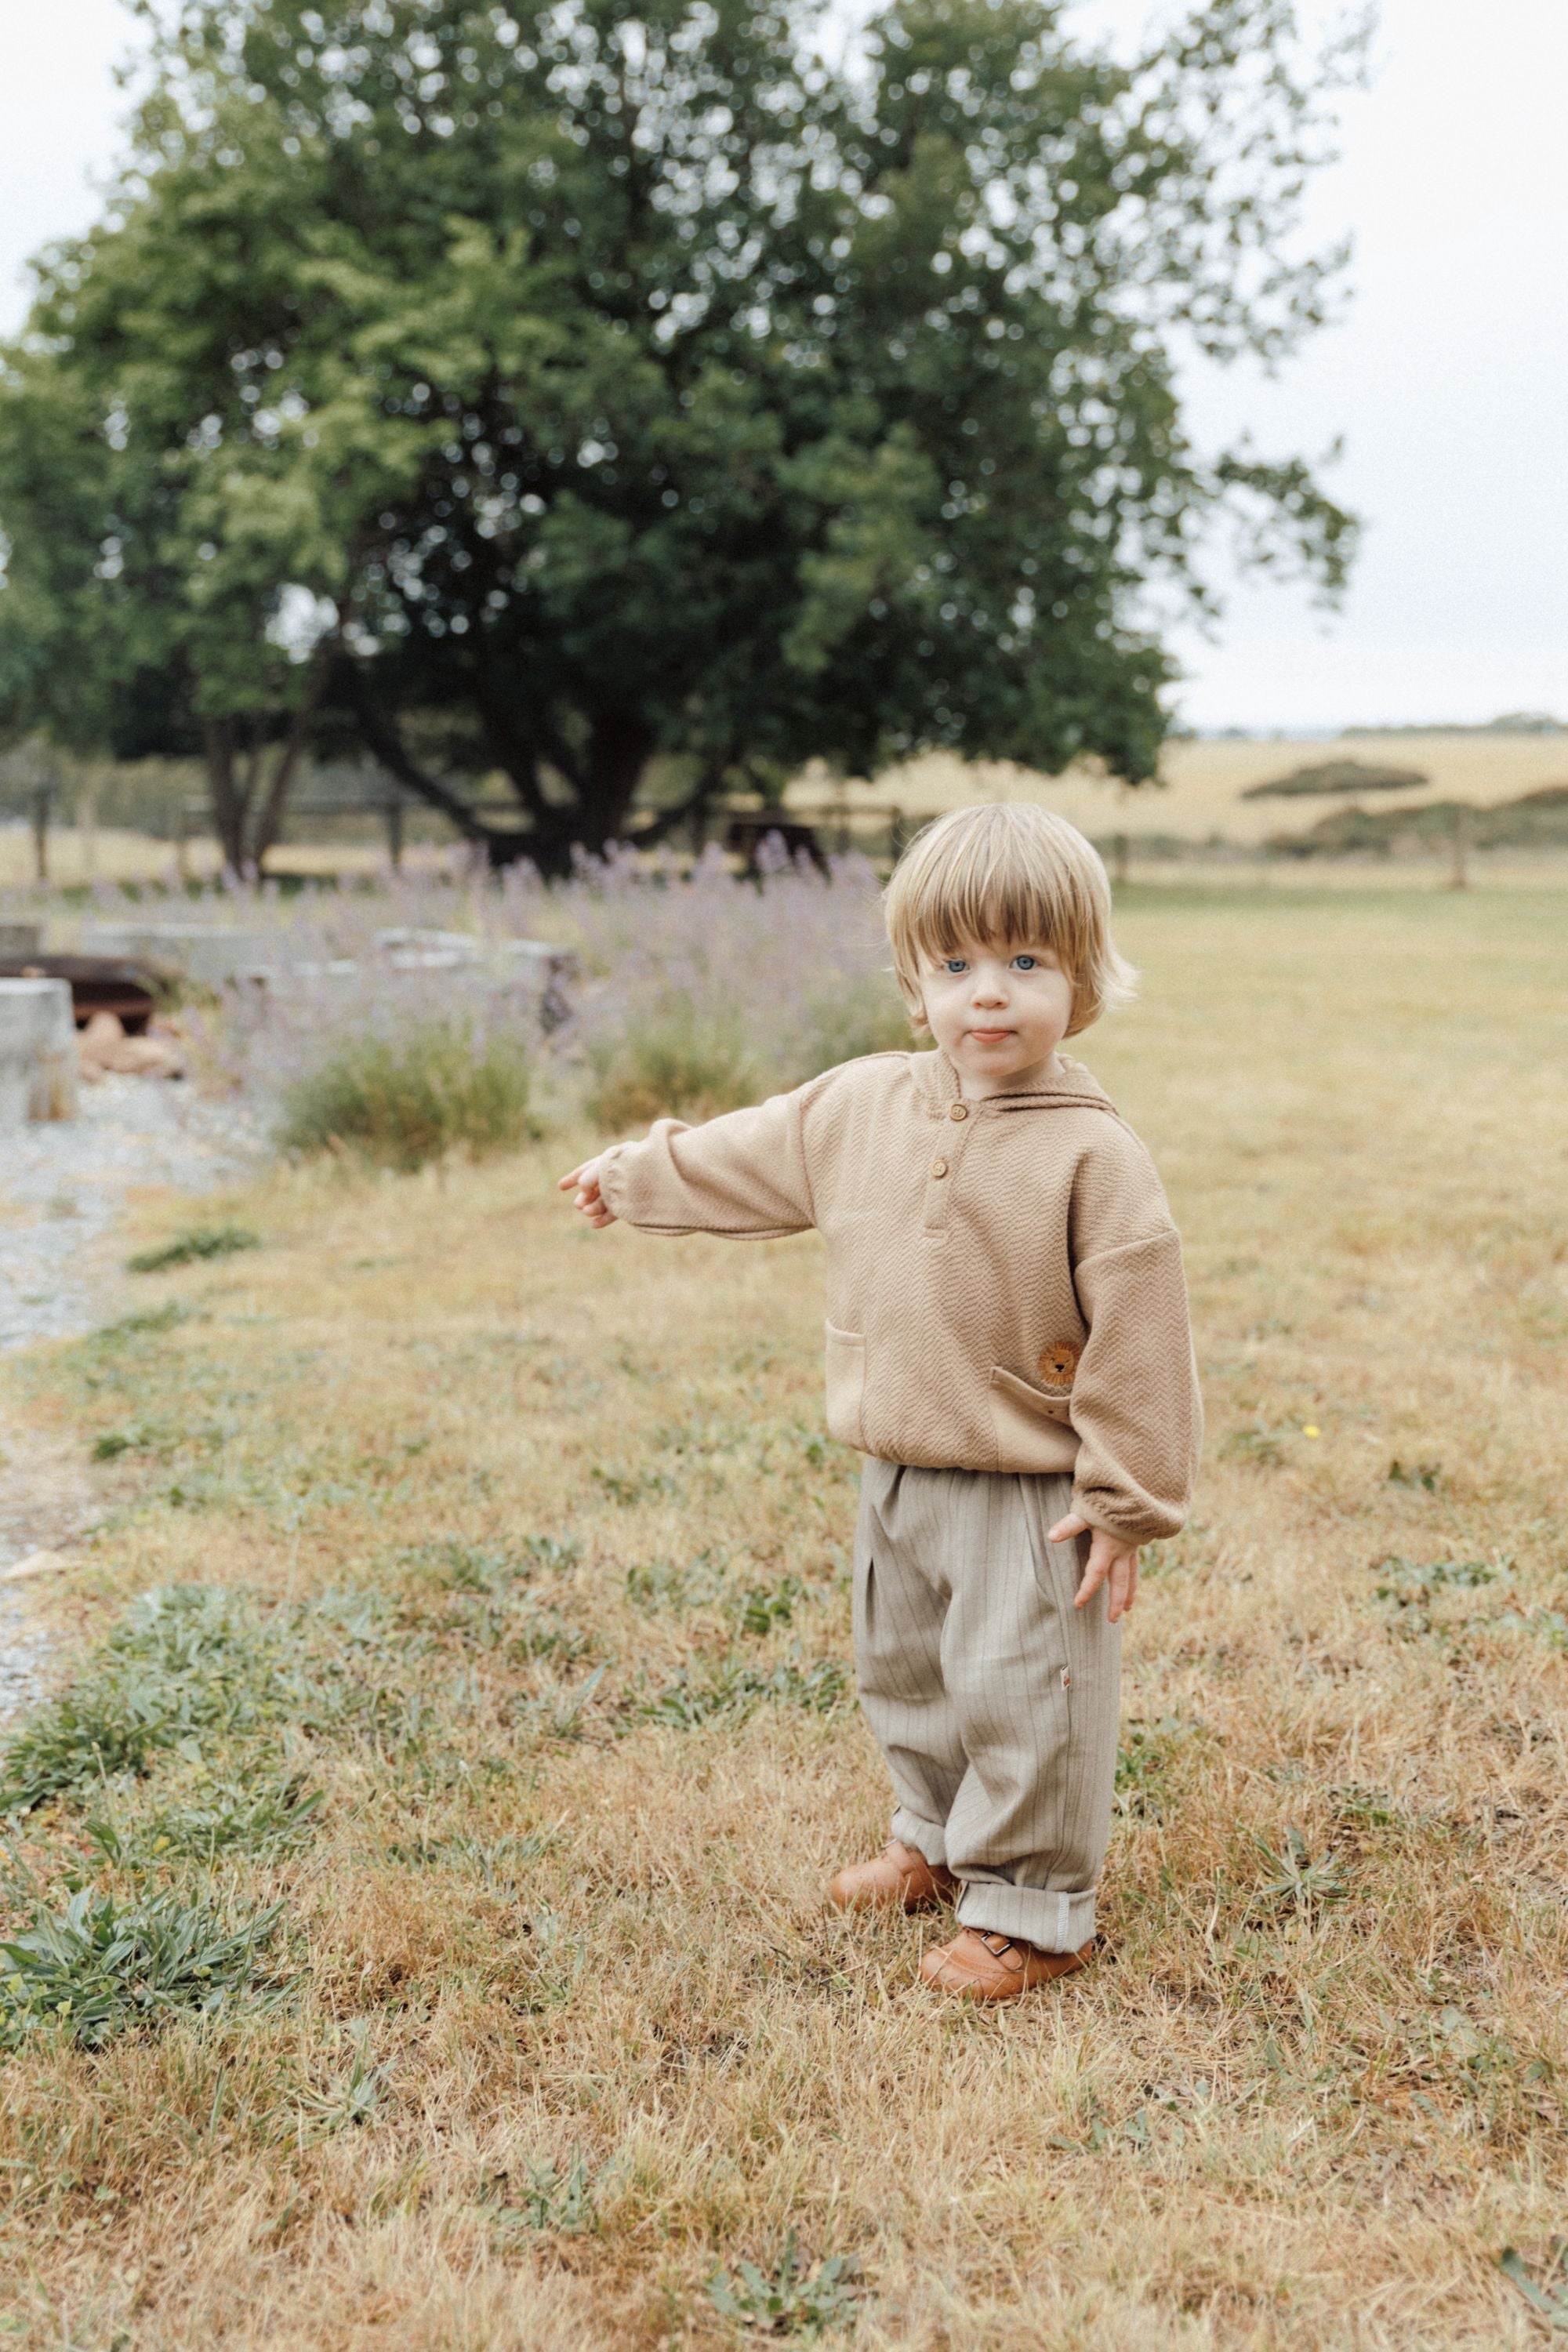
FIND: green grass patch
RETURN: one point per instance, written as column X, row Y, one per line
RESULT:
column 184, row 1661
column 732, row 1688
column 147, row 1323
column 185, row 1249
column 193, row 1670
column 219, row 1814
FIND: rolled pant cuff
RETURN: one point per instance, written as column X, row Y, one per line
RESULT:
column 1052, row 1923
column 926, row 1837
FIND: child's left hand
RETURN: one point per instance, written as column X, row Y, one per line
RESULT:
column 1110, row 1561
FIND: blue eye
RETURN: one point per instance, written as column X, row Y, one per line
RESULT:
column 1027, row 963
column 954, row 963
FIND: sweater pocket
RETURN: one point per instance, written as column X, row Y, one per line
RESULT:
column 1034, row 1432
column 847, row 1386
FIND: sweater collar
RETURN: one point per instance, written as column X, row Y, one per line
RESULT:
column 1070, row 1086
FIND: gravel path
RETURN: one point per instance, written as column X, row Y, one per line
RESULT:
column 63, row 1192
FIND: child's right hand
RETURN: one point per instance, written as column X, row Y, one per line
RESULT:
column 584, row 1182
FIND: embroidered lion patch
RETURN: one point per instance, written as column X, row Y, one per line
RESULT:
column 1057, row 1364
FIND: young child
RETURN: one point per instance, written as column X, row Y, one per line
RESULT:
column 1007, row 1347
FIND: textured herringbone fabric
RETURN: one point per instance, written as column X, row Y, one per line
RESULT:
column 994, row 1701
column 1005, row 1287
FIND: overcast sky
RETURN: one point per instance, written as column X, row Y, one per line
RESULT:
column 1449, row 380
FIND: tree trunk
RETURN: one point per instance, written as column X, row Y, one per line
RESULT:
column 269, row 821
column 225, row 793
column 619, row 746
column 605, row 783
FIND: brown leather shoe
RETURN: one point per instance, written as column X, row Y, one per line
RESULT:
column 984, row 1966
column 899, row 1879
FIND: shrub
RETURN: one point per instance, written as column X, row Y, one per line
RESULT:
column 700, row 994
column 402, row 1101
column 98, row 1967
column 200, row 1241
column 670, row 1060
column 673, row 1060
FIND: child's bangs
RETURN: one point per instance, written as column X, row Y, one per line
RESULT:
column 991, row 896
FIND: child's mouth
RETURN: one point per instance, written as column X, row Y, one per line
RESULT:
column 990, row 1036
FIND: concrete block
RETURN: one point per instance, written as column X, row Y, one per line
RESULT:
column 414, row 949
column 37, row 1051
column 206, row 952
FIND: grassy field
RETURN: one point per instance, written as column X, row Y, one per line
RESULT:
column 517, row 1677
column 1199, row 796
column 1199, row 799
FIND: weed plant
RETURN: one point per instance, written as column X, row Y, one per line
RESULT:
column 793, row 2298
column 101, row 1968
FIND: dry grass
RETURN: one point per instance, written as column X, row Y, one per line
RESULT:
column 114, row 853
column 1316, row 2084
column 1202, row 782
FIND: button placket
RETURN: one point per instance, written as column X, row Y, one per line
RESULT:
column 942, row 1170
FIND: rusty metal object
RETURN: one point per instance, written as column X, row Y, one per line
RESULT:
column 98, row 984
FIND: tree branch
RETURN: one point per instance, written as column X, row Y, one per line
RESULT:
column 383, row 739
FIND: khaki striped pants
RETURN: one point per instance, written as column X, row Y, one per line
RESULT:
column 993, row 1699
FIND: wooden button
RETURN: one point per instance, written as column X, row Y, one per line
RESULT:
column 959, row 1110
column 939, row 1167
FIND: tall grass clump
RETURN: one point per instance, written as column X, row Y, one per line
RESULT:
column 402, row 1099
column 672, row 1056
column 699, row 993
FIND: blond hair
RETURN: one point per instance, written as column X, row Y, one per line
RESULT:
column 1007, row 873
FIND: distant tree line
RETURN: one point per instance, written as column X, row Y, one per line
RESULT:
column 532, row 390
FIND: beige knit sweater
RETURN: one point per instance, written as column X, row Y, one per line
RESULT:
column 1005, row 1287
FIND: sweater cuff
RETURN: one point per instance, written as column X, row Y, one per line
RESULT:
column 610, row 1181
column 1135, row 1528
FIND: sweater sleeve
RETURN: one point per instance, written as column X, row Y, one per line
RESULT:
column 743, row 1175
column 1136, row 1405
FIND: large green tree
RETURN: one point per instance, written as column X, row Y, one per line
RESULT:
column 539, row 389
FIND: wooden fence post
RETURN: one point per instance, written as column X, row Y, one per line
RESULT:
column 41, row 796
column 1459, row 850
